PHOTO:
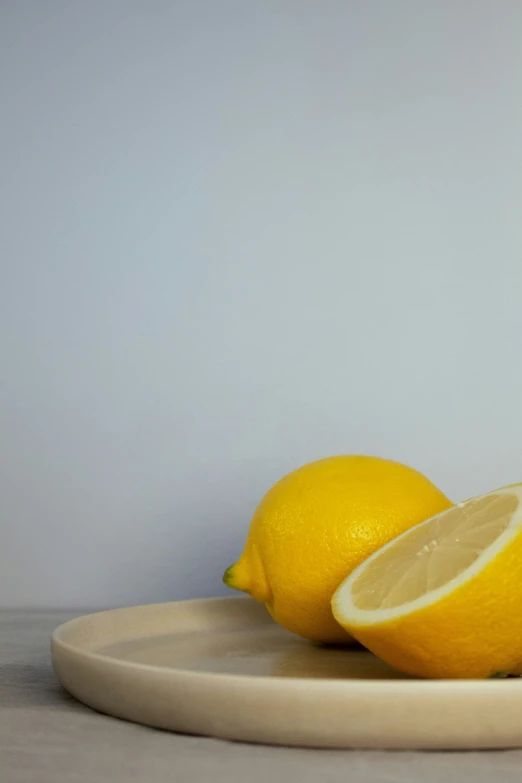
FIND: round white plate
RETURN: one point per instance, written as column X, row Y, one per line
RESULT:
column 223, row 668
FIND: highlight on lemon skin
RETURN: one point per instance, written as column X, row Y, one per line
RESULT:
column 444, row 599
column 315, row 525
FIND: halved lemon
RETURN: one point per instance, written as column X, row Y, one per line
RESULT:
column 444, row 599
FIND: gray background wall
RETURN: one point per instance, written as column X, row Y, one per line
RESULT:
column 238, row 236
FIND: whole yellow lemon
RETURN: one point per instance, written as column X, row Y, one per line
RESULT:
column 316, row 525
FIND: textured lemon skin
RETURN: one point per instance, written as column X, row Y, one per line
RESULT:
column 475, row 632
column 316, row 525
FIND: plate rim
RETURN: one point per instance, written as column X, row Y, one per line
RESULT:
column 297, row 683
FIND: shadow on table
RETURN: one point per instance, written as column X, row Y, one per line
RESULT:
column 27, row 685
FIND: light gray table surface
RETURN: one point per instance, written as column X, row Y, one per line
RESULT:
column 47, row 737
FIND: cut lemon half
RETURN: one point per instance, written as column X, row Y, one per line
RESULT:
column 444, row 599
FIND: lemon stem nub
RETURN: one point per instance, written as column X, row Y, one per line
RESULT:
column 248, row 575
column 228, row 577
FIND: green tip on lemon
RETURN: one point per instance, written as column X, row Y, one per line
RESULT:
column 248, row 576
column 228, row 577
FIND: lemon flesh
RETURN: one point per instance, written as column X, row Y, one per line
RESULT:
column 316, row 525
column 444, row 599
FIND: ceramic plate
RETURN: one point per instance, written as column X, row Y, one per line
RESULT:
column 222, row 667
